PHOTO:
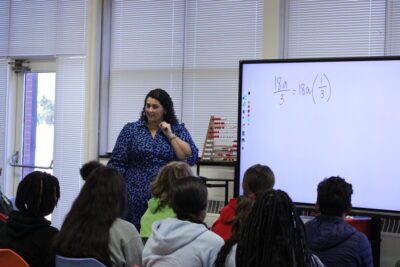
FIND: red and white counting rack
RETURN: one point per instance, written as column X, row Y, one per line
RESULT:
column 221, row 141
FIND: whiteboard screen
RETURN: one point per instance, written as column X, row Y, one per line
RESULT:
column 312, row 119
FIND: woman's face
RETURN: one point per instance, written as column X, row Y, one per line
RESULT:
column 154, row 110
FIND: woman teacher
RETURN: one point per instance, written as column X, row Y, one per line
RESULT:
column 146, row 145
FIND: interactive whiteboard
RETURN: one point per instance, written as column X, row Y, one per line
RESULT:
column 316, row 118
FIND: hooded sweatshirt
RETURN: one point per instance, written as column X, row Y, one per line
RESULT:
column 152, row 214
column 223, row 225
column 181, row 243
column 30, row 237
column 337, row 243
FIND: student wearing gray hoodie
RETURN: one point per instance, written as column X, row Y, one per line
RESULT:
column 184, row 240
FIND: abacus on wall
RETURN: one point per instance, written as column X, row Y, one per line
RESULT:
column 221, row 140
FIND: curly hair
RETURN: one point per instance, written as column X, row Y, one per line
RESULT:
column 166, row 178
column 165, row 101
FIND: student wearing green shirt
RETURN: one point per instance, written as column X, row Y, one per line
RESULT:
column 160, row 189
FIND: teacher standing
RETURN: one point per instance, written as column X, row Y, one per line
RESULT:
column 146, row 145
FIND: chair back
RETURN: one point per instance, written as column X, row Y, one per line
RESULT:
column 77, row 262
column 10, row 258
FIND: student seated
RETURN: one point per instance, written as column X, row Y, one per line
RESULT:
column 88, row 168
column 271, row 235
column 257, row 178
column 94, row 229
column 334, row 241
column 184, row 240
column 27, row 232
column 160, row 189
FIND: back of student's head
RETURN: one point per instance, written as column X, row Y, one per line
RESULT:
column 88, row 168
column 273, row 234
column 334, row 196
column 85, row 231
column 166, row 178
column 189, row 199
column 37, row 194
column 258, row 178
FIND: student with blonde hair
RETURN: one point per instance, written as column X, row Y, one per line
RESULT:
column 159, row 205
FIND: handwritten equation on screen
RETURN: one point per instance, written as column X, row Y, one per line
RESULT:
column 320, row 91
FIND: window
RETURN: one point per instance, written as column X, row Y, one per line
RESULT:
column 146, row 53
column 217, row 35
column 43, row 30
column 189, row 48
column 38, row 121
column 317, row 28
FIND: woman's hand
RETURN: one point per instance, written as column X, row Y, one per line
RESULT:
column 166, row 129
column 182, row 149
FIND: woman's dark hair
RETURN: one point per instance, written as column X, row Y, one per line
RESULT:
column 189, row 199
column 243, row 208
column 166, row 178
column 86, row 229
column 273, row 234
column 166, row 101
column 37, row 194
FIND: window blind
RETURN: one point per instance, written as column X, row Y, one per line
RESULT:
column 48, row 28
column 217, row 35
column 71, row 27
column 69, row 130
column 4, row 25
column 3, row 112
column 32, row 28
column 318, row 28
column 146, row 53
column 393, row 28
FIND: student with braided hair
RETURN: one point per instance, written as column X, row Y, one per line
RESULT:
column 257, row 178
column 27, row 231
column 184, row 240
column 272, row 235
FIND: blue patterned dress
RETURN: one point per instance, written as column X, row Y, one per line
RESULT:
column 138, row 157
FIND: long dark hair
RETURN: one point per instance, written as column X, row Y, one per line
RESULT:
column 86, row 229
column 166, row 102
column 189, row 199
column 243, row 209
column 273, row 234
column 37, row 194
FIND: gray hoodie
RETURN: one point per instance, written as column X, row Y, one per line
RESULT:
column 174, row 242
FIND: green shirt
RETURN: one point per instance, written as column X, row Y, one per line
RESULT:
column 152, row 214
